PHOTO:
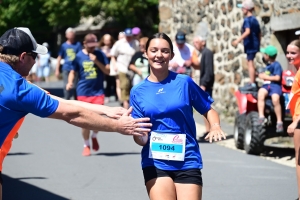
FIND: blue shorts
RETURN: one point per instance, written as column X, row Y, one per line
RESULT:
column 273, row 89
column 251, row 56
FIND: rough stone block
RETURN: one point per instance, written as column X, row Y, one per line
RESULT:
column 165, row 13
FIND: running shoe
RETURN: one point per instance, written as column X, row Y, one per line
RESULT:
column 95, row 144
column 86, row 151
column 279, row 128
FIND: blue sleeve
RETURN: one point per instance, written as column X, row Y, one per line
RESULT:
column 201, row 101
column 137, row 112
column 75, row 64
column 79, row 47
column 246, row 23
column 277, row 69
column 34, row 100
column 62, row 51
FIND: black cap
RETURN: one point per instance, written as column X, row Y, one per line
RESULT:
column 18, row 40
column 180, row 37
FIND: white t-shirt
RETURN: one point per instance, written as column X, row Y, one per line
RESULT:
column 123, row 51
column 181, row 55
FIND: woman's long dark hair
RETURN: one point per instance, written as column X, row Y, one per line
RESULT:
column 162, row 36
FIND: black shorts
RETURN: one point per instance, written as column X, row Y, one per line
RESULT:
column 298, row 125
column 190, row 176
column 1, row 179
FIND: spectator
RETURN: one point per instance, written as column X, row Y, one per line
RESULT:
column 203, row 59
column 271, row 87
column 121, row 54
column 68, row 51
column 18, row 51
column 139, row 63
column 105, row 45
column 298, row 33
column 251, row 35
column 121, row 35
column 91, row 65
column 182, row 60
column 43, row 65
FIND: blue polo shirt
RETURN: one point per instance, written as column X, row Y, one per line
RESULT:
column 18, row 98
column 251, row 42
column 274, row 69
column 90, row 76
column 169, row 105
column 68, row 53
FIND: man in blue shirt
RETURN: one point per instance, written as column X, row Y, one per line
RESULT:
column 251, row 35
column 68, row 51
column 18, row 50
column 271, row 86
column 90, row 65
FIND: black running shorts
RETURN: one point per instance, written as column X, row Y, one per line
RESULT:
column 190, row 176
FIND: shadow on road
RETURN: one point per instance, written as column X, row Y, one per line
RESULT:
column 278, row 153
column 14, row 189
column 117, row 154
column 18, row 154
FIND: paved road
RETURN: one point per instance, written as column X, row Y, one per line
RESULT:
column 46, row 163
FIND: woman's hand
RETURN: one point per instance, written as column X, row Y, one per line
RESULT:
column 291, row 128
column 215, row 134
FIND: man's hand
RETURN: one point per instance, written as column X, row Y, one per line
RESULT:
column 69, row 86
column 291, row 128
column 203, row 87
column 262, row 76
column 115, row 112
column 57, row 73
column 215, row 134
column 93, row 57
column 129, row 126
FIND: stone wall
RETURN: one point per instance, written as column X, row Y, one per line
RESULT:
column 220, row 22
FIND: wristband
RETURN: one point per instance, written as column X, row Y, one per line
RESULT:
column 215, row 124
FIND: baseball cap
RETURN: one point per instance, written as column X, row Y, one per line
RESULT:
column 18, row 40
column 128, row 32
column 180, row 37
column 297, row 32
column 91, row 40
column 269, row 50
column 136, row 31
column 247, row 4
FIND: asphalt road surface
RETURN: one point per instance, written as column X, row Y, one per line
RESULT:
column 45, row 163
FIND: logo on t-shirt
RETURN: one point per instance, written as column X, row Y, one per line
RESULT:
column 1, row 89
column 161, row 91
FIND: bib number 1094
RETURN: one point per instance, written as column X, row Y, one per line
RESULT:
column 167, row 147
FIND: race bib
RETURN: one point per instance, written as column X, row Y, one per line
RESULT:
column 167, row 146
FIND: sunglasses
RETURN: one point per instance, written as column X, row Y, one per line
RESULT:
column 32, row 54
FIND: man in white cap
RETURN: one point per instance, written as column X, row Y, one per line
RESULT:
column 298, row 33
column 18, row 50
column 43, row 65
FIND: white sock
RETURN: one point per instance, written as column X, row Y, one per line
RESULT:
column 94, row 134
column 87, row 143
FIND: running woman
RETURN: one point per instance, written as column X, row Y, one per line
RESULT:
column 91, row 65
column 171, row 159
column 293, row 56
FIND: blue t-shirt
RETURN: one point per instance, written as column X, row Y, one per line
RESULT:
column 274, row 69
column 68, row 53
column 251, row 42
column 18, row 98
column 169, row 104
column 90, row 76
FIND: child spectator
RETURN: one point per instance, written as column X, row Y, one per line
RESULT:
column 251, row 35
column 271, row 86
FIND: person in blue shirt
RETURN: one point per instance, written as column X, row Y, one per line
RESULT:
column 18, row 51
column 90, row 65
column 171, row 158
column 271, row 86
column 251, row 35
column 68, row 51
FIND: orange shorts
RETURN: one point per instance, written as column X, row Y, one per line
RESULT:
column 92, row 99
